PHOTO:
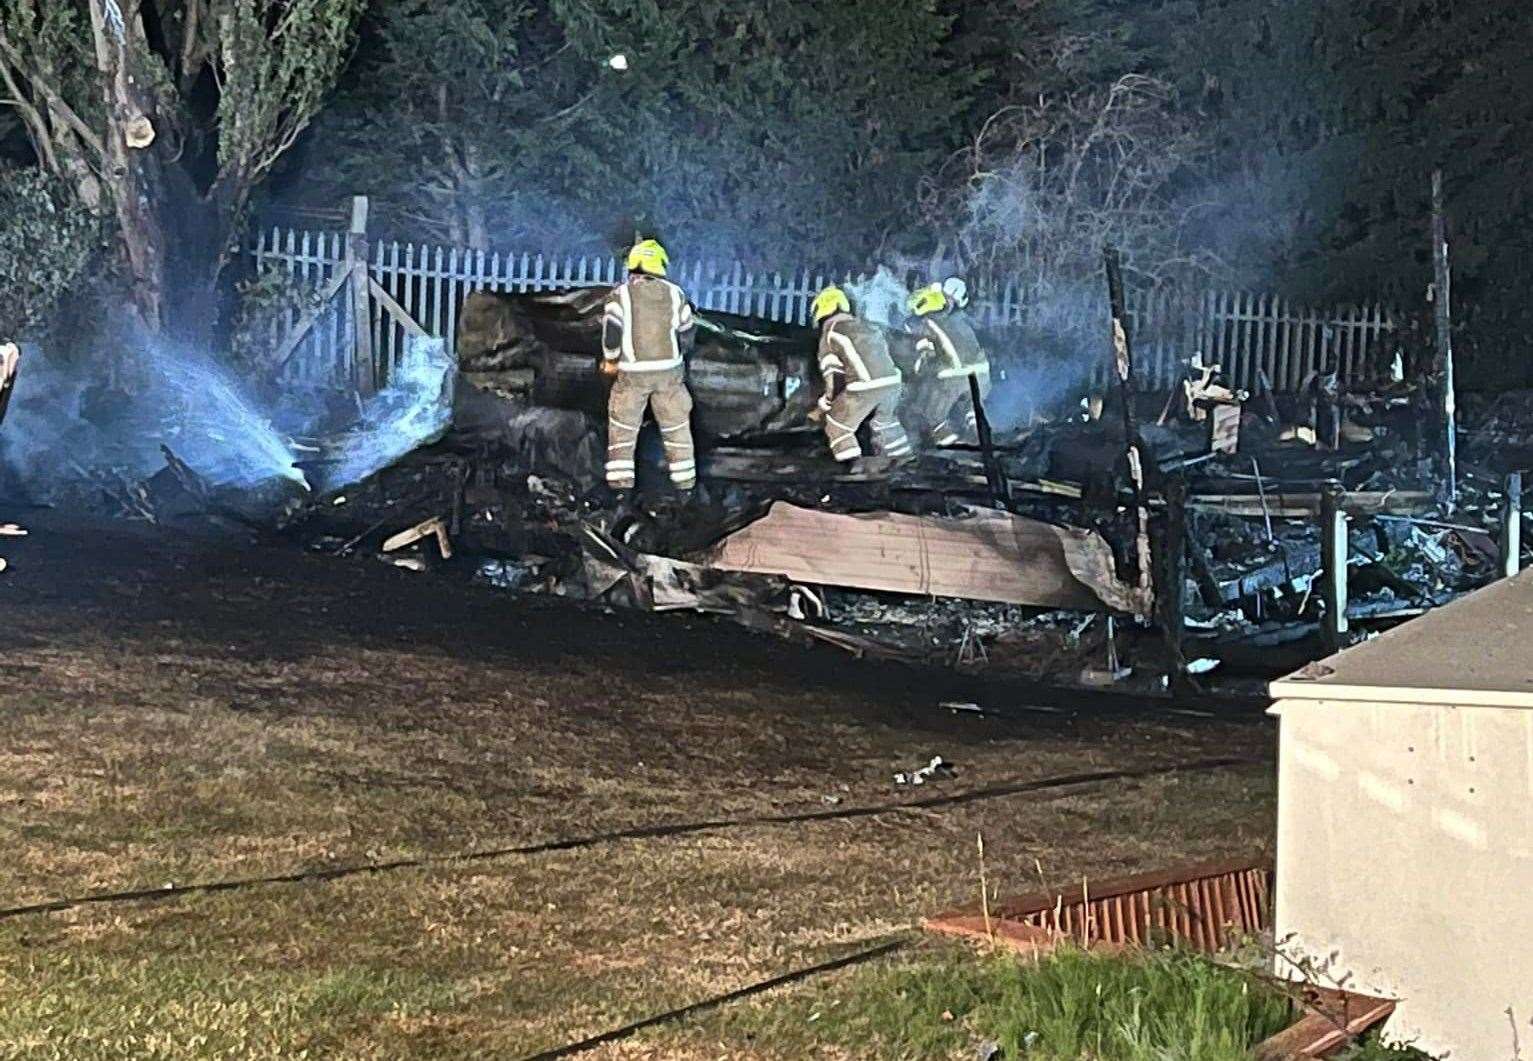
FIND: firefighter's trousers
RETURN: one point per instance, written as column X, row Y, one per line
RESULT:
column 665, row 394
column 948, row 408
column 851, row 408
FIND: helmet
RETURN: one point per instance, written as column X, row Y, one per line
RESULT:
column 928, row 299
column 831, row 300
column 647, row 256
column 956, row 290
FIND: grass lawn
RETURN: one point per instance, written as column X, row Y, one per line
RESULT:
column 944, row 1000
column 172, row 715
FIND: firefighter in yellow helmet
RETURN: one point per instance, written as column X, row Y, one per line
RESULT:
column 645, row 320
column 948, row 355
column 861, row 381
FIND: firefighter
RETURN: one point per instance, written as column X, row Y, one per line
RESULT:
column 948, row 354
column 645, row 319
column 861, row 381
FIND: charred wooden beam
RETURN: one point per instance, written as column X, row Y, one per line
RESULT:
column 995, row 474
column 1203, row 570
column 1123, row 361
column 1171, row 588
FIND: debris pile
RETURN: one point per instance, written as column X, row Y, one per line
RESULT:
column 1022, row 554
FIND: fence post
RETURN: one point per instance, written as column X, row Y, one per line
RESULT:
column 364, row 372
column 1333, row 563
column 1511, row 525
column 1171, row 582
column 1442, row 306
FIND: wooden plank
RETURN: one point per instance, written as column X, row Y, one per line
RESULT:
column 301, row 270
column 397, row 313
column 416, row 289
column 298, row 334
column 438, row 290
column 390, row 279
column 1307, row 505
column 1228, row 341
column 1272, row 326
column 1201, row 328
column 1285, row 345
column 1272, row 335
column 1221, row 354
column 1346, row 336
column 339, row 354
column 993, row 556
column 1245, row 353
column 1319, row 340
column 454, row 296
column 1302, row 346
column 376, row 323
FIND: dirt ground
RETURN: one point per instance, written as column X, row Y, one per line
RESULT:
column 178, row 712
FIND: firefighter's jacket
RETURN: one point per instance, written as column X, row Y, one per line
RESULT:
column 644, row 321
column 857, row 351
column 948, row 348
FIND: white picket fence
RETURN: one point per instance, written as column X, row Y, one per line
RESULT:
column 1249, row 334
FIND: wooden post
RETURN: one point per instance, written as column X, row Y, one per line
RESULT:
column 1511, row 525
column 1333, row 562
column 1171, row 588
column 1442, row 316
column 365, row 371
column 1123, row 359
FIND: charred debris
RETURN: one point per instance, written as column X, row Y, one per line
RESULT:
column 1148, row 541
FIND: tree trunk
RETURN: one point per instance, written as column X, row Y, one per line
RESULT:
column 134, row 174
column 476, row 226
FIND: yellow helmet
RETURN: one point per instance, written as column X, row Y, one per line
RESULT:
column 929, row 299
column 647, row 256
column 831, row 300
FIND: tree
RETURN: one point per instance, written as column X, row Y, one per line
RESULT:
column 460, row 120
column 46, row 241
column 1332, row 114
column 777, row 131
column 1045, row 186
column 164, row 115
column 782, row 130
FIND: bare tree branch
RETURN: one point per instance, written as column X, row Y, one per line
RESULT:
column 55, row 100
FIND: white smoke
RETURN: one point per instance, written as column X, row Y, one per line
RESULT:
column 66, row 423
column 66, row 420
column 880, row 298
column 413, row 410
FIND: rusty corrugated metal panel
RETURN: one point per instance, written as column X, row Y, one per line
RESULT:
column 1205, row 906
column 988, row 555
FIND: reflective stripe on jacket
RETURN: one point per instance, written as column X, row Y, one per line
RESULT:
column 643, row 322
column 858, row 350
column 951, row 340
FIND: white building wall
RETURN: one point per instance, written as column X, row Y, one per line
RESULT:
column 1405, row 865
